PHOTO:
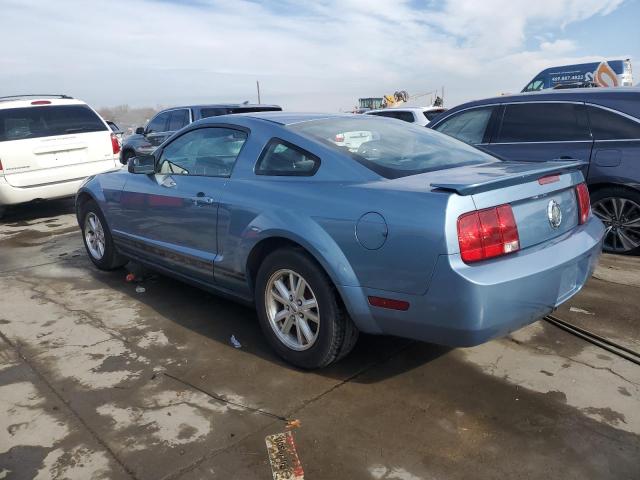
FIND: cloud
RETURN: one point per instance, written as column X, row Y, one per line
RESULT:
column 319, row 56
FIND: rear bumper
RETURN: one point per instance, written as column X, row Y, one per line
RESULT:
column 10, row 195
column 469, row 304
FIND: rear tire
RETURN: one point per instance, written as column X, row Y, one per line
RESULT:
column 305, row 323
column 97, row 238
column 619, row 210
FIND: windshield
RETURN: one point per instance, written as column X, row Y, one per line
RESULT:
column 390, row 148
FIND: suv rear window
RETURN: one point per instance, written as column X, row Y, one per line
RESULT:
column 36, row 122
column 392, row 149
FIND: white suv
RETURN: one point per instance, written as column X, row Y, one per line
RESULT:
column 418, row 115
column 48, row 145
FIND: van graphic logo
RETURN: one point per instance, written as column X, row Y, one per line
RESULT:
column 554, row 213
column 604, row 76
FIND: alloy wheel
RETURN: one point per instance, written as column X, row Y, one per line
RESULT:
column 94, row 236
column 621, row 217
column 292, row 309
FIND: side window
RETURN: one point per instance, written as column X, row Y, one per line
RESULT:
column 405, row 116
column 606, row 125
column 178, row 119
column 534, row 86
column 158, row 123
column 469, row 126
column 543, row 122
column 281, row 158
column 209, row 152
column 212, row 112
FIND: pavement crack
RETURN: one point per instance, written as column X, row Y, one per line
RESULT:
column 60, row 398
column 571, row 359
column 221, row 398
column 97, row 322
column 355, row 375
column 214, row 453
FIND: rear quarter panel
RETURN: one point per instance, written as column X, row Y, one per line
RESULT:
column 321, row 213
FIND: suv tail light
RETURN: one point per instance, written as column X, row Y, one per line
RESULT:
column 115, row 144
column 487, row 233
column 584, row 204
column 339, row 137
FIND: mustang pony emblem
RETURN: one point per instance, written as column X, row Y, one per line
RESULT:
column 554, row 213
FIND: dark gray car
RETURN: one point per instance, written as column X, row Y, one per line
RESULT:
column 600, row 126
column 165, row 123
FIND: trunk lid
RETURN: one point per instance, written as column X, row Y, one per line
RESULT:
column 543, row 210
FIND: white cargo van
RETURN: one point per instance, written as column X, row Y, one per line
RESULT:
column 48, row 145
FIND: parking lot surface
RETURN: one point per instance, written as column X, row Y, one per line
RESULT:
column 100, row 378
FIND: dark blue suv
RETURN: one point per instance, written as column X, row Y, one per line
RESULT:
column 598, row 125
column 166, row 122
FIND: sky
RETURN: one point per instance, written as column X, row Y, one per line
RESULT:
column 308, row 56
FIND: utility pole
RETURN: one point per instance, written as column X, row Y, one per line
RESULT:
column 258, row 87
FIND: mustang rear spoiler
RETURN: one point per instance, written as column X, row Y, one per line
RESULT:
column 527, row 172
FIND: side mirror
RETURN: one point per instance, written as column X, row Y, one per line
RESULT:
column 145, row 164
column 140, row 131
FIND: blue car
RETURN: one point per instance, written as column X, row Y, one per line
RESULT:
column 600, row 126
column 405, row 231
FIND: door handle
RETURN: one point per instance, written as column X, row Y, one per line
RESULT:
column 202, row 199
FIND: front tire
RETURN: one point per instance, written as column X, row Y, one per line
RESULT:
column 97, row 238
column 619, row 210
column 300, row 312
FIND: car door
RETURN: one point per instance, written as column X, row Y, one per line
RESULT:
column 541, row 131
column 616, row 148
column 178, row 119
column 156, row 131
column 171, row 215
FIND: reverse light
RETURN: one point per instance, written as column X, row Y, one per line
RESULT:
column 389, row 303
column 487, row 233
column 115, row 144
column 584, row 204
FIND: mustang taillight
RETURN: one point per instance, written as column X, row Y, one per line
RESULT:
column 584, row 205
column 115, row 144
column 487, row 233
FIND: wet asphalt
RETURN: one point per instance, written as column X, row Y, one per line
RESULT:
column 100, row 381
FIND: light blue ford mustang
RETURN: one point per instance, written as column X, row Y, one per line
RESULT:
column 335, row 224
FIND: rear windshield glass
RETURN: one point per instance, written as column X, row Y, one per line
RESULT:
column 36, row 122
column 390, row 148
column 431, row 114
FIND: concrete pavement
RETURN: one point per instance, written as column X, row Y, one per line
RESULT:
column 99, row 381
